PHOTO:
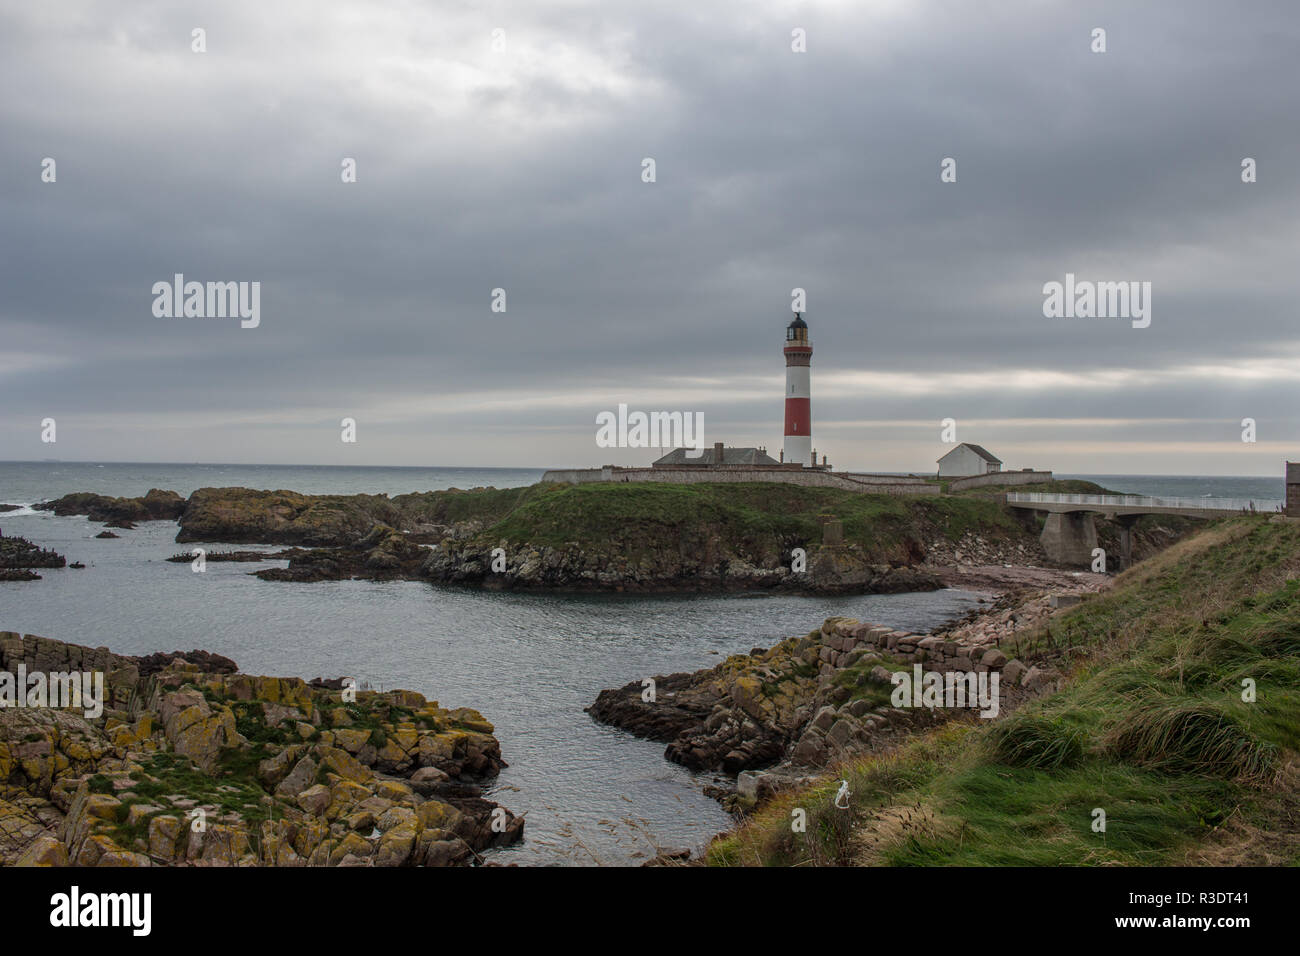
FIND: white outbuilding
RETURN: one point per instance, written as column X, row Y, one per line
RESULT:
column 967, row 459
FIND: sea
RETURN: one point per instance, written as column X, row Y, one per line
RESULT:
column 531, row 663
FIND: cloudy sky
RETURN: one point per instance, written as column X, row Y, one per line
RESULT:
column 521, row 168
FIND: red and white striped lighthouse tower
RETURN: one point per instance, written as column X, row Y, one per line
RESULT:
column 798, row 393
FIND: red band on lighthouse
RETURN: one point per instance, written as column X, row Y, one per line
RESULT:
column 798, row 417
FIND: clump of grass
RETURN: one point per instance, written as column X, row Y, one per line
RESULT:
column 1192, row 737
column 250, row 722
column 1035, row 741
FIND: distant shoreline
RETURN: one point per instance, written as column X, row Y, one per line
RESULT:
column 543, row 468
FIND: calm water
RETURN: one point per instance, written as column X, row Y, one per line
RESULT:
column 529, row 663
column 27, row 482
column 1190, row 486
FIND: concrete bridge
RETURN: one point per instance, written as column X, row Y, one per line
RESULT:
column 1070, row 533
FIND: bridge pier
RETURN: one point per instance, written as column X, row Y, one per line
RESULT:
column 1126, row 523
column 1069, row 537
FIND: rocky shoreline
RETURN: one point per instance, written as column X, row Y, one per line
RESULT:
column 779, row 717
column 192, row 763
column 432, row 537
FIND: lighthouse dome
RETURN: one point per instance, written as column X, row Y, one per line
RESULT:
column 797, row 331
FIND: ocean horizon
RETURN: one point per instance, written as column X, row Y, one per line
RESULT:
column 28, row 482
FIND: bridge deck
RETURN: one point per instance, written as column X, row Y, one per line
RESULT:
column 1140, row 504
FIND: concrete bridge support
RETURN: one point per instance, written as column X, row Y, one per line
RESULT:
column 1126, row 523
column 1069, row 537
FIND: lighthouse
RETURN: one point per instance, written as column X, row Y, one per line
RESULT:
column 798, row 393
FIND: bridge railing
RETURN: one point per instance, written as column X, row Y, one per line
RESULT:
column 1147, row 501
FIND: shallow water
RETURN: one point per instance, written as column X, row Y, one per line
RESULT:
column 529, row 663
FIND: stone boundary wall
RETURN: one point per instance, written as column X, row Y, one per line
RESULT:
column 577, row 476
column 873, row 479
column 840, row 637
column 1000, row 478
column 690, row 476
column 843, row 640
column 839, row 732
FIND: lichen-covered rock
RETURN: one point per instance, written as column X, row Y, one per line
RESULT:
column 245, row 515
column 190, row 766
column 805, row 702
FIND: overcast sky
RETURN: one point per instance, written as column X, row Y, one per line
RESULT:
column 521, row 168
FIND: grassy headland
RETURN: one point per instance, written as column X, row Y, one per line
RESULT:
column 1151, row 728
column 751, row 516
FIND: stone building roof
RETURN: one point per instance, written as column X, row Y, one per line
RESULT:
column 730, row 456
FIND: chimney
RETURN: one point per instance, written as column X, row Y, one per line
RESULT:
column 717, row 453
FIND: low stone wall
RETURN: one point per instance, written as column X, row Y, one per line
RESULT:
column 1000, row 478
column 840, row 637
column 867, row 485
column 577, row 476
column 875, row 479
column 840, row 731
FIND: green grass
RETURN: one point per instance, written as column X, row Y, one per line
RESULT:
column 233, row 789
column 763, row 519
column 449, row 507
column 250, row 721
column 1151, row 728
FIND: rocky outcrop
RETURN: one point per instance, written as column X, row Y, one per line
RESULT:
column 18, row 556
column 196, row 764
column 805, row 703
column 245, row 515
column 155, row 506
column 383, row 553
column 185, row 557
column 645, row 538
column 829, row 570
column 205, row 661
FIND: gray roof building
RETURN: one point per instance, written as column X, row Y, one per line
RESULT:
column 730, row 456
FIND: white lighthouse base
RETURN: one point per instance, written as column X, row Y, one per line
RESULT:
column 799, row 448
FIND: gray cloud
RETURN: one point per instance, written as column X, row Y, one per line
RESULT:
column 521, row 169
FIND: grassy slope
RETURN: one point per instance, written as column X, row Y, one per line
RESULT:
column 751, row 515
column 1151, row 728
column 448, row 507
